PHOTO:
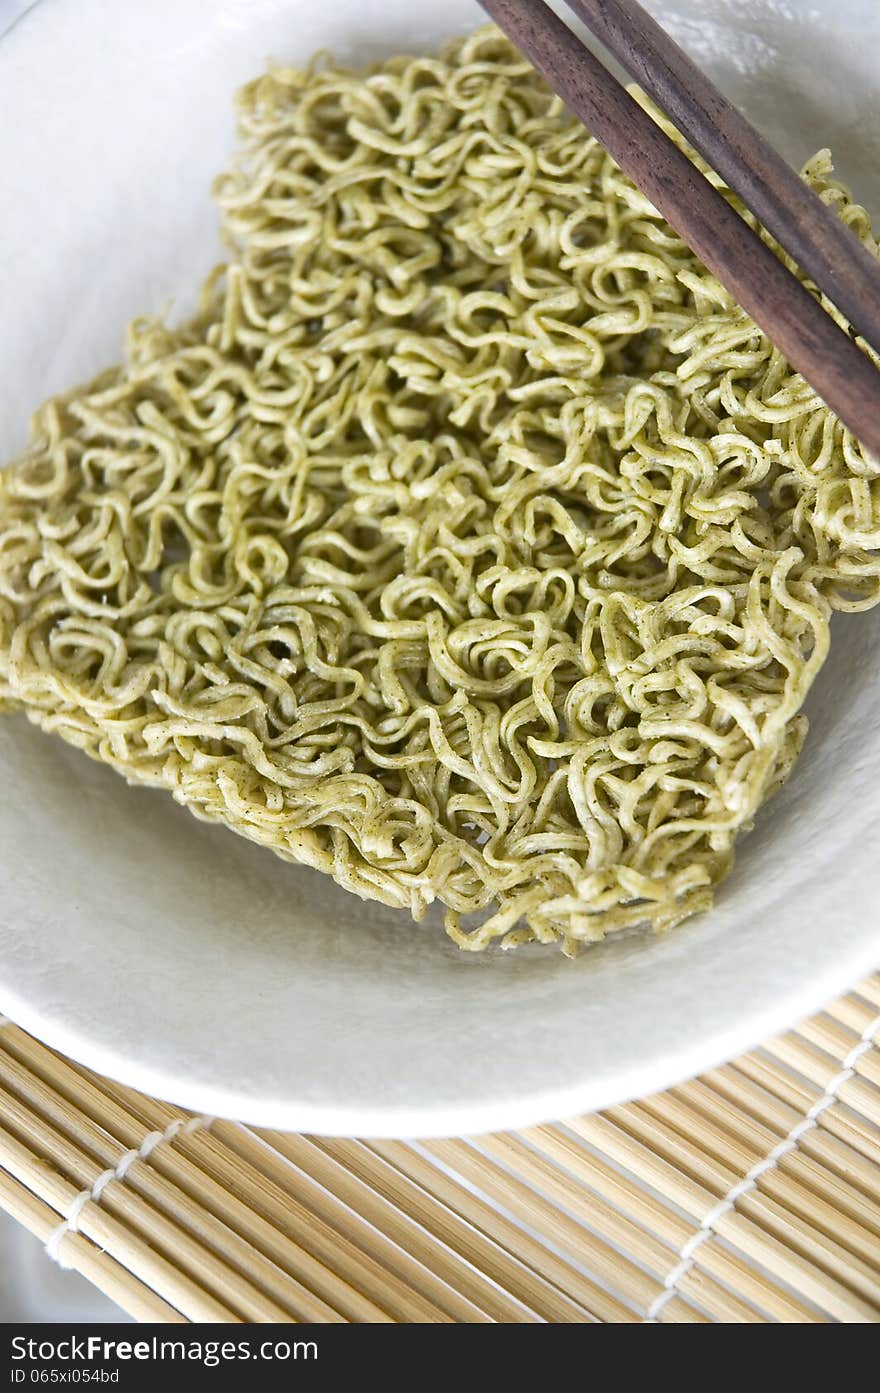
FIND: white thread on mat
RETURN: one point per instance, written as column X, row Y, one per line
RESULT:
column 70, row 1224
column 686, row 1257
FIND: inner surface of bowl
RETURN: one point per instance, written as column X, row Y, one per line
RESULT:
column 196, row 966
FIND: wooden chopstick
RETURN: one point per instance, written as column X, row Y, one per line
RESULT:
column 813, row 344
column 806, row 227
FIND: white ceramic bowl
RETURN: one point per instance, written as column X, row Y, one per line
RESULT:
column 187, row 962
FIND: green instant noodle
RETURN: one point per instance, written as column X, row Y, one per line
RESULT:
column 470, row 544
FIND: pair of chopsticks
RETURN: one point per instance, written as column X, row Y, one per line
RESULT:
column 804, row 226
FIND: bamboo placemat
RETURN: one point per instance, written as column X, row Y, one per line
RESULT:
column 751, row 1194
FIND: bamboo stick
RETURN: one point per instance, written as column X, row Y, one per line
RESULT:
column 376, row 1228
column 458, row 1253
column 131, row 1114
column 813, row 1206
column 281, row 1201
column 626, row 1280
column 778, row 1218
column 840, row 1123
column 153, row 1224
column 112, row 1107
column 870, row 989
column 732, row 1150
column 836, row 1155
column 712, row 1173
column 718, row 1304
column 588, row 1208
column 808, row 1238
column 758, row 1094
column 830, row 1295
column 804, row 1235
column 657, row 1257
column 590, row 1168
column 838, row 1040
column 827, row 1180
column 261, row 1229
column 145, row 1179
column 569, row 1223
column 788, row 1266
column 595, row 1303
column 103, row 1271
column 852, row 1011
column 806, row 1059
column 107, row 1233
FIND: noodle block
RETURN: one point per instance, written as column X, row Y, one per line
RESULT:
column 470, row 544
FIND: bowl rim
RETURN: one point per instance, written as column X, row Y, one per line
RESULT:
column 696, row 1052
column 686, row 1060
